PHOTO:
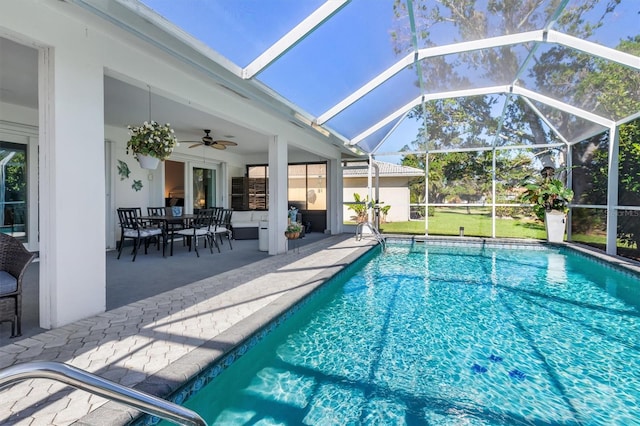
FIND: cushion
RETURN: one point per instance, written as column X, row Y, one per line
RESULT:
column 238, row 216
column 260, row 216
column 8, row 283
column 144, row 232
column 249, row 224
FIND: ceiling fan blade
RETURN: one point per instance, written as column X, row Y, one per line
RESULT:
column 227, row 143
column 196, row 144
column 218, row 146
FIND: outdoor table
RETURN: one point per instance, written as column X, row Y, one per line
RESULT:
column 167, row 220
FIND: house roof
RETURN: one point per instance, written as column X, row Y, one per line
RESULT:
column 386, row 170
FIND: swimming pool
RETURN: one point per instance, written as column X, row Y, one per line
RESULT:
column 427, row 334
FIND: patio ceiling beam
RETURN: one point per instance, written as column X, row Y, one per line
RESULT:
column 417, row 101
column 424, row 54
column 293, row 37
column 563, row 106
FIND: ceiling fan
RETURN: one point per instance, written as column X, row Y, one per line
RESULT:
column 207, row 140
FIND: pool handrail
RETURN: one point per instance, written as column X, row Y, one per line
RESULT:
column 378, row 236
column 97, row 385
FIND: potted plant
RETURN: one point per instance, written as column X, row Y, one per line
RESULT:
column 550, row 198
column 293, row 230
column 151, row 143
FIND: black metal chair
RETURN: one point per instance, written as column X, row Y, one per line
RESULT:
column 200, row 226
column 223, row 227
column 14, row 260
column 132, row 228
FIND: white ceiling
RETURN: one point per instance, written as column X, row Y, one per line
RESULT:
column 124, row 103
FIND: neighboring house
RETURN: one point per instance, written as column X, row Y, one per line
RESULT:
column 393, row 188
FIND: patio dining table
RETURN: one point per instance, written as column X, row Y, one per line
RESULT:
column 168, row 220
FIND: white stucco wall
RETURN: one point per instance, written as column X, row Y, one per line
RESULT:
column 394, row 191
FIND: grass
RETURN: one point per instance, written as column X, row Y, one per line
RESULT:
column 476, row 224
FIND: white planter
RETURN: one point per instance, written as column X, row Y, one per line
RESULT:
column 148, row 162
column 556, row 223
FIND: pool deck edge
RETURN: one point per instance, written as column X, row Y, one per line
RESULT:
column 170, row 379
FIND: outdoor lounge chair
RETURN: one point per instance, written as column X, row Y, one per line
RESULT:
column 14, row 260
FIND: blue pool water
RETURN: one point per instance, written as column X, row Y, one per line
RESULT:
column 447, row 336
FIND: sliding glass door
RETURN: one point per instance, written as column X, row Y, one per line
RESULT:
column 204, row 188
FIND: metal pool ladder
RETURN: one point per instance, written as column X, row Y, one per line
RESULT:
column 378, row 236
column 96, row 385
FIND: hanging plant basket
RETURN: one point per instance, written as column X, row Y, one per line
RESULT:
column 148, row 162
column 151, row 142
column 292, row 235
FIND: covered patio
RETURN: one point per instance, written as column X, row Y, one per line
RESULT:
column 129, row 282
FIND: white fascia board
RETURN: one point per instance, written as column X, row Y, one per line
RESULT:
column 294, row 36
column 594, row 49
column 429, row 53
column 417, row 101
column 563, row 106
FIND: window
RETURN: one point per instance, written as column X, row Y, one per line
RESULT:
column 13, row 189
column 307, row 183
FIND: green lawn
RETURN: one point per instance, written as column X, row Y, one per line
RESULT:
column 478, row 224
column 475, row 225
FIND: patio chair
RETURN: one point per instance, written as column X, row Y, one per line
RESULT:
column 223, row 227
column 14, row 260
column 170, row 226
column 200, row 227
column 131, row 227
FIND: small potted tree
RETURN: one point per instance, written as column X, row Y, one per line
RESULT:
column 151, row 143
column 550, row 198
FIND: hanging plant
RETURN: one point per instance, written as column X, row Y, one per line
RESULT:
column 152, row 139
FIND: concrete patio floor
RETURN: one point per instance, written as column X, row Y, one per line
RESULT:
column 150, row 274
column 167, row 319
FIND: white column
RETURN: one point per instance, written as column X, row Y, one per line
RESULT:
column 335, row 185
column 224, row 198
column 72, row 202
column 612, row 191
column 278, row 195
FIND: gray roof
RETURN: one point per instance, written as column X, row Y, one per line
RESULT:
column 386, row 170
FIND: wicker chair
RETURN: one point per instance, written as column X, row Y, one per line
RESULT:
column 14, row 260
